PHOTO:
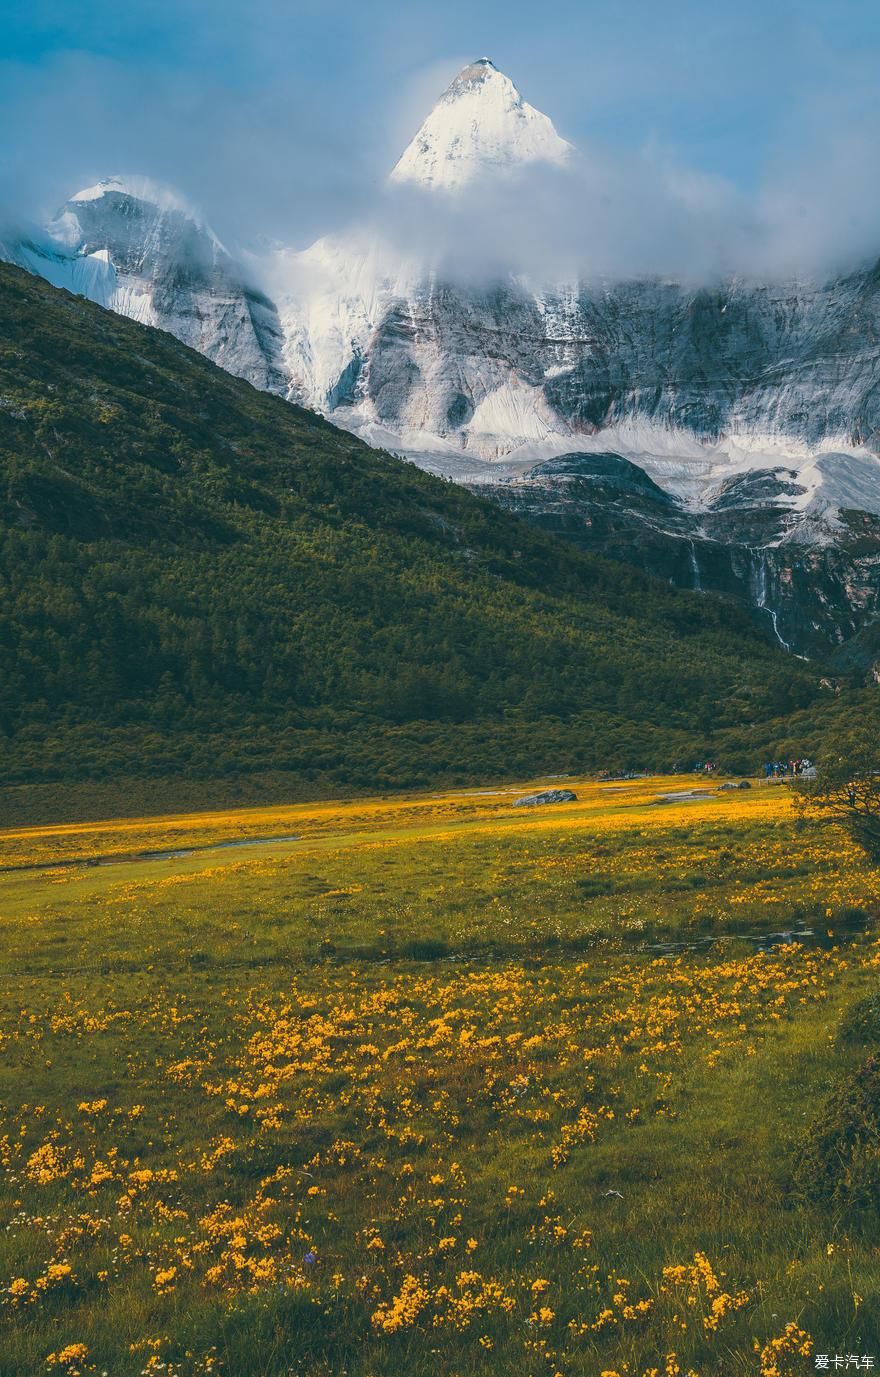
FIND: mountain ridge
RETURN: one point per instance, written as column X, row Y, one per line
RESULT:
column 201, row 579
column 759, row 396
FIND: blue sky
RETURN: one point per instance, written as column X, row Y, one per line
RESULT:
column 304, row 105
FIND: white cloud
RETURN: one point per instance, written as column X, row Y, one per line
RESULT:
column 281, row 163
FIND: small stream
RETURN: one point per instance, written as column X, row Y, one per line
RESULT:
column 129, row 857
column 195, row 850
column 831, row 934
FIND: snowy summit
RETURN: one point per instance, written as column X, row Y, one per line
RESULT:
column 115, row 199
column 480, row 124
column 138, row 189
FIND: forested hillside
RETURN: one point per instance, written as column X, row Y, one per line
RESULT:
column 199, row 581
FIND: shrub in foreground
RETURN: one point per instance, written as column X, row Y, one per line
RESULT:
column 839, row 1161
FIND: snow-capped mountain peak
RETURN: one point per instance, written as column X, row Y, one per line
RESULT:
column 139, row 248
column 480, row 124
column 140, row 189
column 723, row 436
column 116, row 200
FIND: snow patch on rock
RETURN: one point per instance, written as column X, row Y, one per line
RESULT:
column 513, row 415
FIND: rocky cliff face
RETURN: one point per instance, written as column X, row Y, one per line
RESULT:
column 747, row 419
column 811, row 596
column 491, row 371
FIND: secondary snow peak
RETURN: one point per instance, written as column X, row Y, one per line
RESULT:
column 115, row 199
column 480, row 124
column 139, row 189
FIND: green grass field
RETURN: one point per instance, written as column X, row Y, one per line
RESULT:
column 432, row 1085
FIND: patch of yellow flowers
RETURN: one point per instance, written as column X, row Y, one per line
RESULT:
column 368, row 1137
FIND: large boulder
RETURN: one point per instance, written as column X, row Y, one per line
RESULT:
column 546, row 796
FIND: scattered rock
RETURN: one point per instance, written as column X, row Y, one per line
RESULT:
column 546, row 796
column 743, row 784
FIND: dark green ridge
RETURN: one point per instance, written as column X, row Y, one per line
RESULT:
column 205, row 586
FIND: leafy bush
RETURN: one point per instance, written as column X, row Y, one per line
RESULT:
column 839, row 1160
column 860, row 1023
column 847, row 789
column 425, row 949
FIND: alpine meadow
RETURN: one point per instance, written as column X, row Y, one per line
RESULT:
column 439, row 690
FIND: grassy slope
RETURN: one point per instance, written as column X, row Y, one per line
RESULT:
column 202, row 582
column 144, row 985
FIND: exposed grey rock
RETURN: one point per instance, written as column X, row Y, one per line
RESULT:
column 546, row 796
